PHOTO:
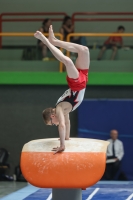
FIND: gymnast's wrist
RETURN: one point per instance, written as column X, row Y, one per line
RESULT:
column 62, row 146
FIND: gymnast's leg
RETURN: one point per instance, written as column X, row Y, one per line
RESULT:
column 70, row 67
column 83, row 60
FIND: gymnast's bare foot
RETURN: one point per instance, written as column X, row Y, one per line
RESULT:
column 51, row 38
column 40, row 36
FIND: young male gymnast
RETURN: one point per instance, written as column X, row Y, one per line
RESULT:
column 77, row 77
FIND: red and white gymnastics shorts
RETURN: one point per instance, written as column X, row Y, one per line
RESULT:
column 79, row 83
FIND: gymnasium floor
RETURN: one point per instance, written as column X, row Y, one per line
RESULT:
column 101, row 191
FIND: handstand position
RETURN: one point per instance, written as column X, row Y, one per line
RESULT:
column 77, row 77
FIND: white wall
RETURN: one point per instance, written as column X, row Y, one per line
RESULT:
column 68, row 6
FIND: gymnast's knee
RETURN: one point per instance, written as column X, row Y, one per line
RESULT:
column 85, row 49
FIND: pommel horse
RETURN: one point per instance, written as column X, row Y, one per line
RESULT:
column 81, row 165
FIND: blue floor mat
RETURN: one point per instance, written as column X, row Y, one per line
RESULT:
column 102, row 190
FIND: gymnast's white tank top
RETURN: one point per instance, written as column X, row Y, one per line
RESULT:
column 75, row 98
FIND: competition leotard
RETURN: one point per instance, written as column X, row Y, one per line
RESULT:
column 75, row 98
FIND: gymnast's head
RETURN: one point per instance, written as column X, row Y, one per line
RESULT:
column 49, row 116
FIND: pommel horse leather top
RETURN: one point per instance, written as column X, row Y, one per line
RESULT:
column 81, row 165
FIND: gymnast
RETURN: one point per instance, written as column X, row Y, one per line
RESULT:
column 77, row 77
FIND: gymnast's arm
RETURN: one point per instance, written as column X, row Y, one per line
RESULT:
column 67, row 123
column 61, row 129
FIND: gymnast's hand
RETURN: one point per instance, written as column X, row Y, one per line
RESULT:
column 58, row 149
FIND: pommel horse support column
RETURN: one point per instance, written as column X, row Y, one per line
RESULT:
column 81, row 165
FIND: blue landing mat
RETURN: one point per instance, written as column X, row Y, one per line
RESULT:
column 101, row 191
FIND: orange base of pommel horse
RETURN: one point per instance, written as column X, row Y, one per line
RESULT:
column 81, row 165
